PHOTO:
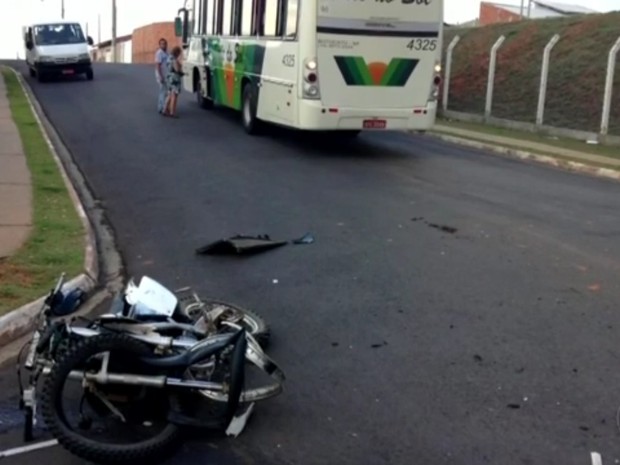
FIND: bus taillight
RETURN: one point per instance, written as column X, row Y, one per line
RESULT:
column 436, row 82
column 311, row 78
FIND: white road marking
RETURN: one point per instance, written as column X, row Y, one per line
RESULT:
column 25, row 449
column 596, row 458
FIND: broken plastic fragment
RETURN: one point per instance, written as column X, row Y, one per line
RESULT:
column 306, row 239
column 237, row 424
column 240, row 245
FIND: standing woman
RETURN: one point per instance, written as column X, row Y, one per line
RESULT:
column 173, row 79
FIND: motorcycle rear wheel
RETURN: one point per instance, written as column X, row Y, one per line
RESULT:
column 53, row 413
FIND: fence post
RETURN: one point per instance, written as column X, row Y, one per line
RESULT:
column 609, row 87
column 491, row 81
column 544, row 74
column 447, row 73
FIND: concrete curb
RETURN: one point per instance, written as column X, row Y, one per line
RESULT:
column 568, row 165
column 20, row 321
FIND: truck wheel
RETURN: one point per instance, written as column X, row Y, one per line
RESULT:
column 251, row 124
column 32, row 73
column 90, row 75
column 41, row 77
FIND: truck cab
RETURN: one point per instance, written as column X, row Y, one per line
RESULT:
column 57, row 48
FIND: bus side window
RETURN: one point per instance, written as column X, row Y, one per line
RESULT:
column 257, row 17
column 209, row 16
column 247, row 8
column 217, row 17
column 227, row 18
column 270, row 18
column 292, row 7
column 196, row 18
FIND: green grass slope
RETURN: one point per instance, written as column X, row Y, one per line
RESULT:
column 576, row 74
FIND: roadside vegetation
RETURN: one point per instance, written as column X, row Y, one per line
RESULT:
column 56, row 242
column 577, row 70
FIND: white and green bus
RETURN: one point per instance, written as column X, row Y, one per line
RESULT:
column 342, row 65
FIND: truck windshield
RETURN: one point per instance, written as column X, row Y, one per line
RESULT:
column 58, row 34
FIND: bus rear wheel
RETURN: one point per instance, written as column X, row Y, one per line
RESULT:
column 251, row 124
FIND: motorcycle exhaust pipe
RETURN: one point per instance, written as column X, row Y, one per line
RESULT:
column 140, row 380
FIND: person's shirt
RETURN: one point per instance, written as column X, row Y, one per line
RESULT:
column 161, row 58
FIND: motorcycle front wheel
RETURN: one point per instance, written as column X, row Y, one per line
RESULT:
column 75, row 439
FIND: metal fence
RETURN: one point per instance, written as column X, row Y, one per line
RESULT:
column 606, row 103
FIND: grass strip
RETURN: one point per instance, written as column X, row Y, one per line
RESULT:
column 56, row 242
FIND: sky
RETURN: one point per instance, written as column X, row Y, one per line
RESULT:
column 135, row 13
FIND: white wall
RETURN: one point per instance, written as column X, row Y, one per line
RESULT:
column 123, row 53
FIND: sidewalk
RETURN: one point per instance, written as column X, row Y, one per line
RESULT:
column 536, row 147
column 15, row 184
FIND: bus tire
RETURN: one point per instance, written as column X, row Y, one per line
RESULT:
column 203, row 102
column 251, row 124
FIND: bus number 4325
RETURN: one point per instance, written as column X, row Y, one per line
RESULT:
column 422, row 44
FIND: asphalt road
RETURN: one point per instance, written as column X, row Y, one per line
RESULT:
column 498, row 343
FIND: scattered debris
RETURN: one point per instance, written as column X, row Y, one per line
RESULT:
column 584, row 428
column 248, row 245
column 594, row 287
column 335, row 344
column 451, row 326
column 478, row 358
column 514, row 406
column 306, row 239
column 240, row 245
column 376, row 346
column 237, row 424
column 275, row 281
column 520, row 370
column 441, row 227
column 447, row 229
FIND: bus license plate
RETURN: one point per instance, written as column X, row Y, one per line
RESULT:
column 374, row 124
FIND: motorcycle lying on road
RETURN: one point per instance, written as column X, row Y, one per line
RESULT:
column 155, row 364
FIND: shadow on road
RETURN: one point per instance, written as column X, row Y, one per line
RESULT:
column 330, row 144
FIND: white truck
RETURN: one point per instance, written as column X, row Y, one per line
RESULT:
column 57, row 48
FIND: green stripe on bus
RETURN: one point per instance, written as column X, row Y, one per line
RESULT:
column 391, row 70
column 356, row 72
column 347, row 74
column 362, row 68
column 403, row 71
